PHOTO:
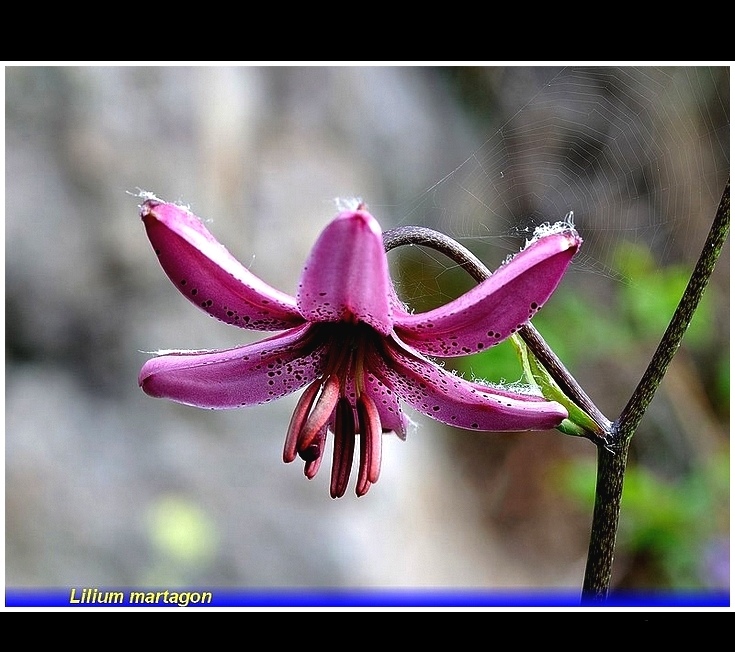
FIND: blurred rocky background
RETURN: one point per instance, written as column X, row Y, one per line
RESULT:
column 107, row 487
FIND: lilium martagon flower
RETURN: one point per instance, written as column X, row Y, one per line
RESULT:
column 348, row 339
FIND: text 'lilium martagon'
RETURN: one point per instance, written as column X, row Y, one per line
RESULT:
column 348, row 339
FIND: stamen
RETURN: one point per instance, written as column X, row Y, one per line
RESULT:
column 320, row 414
column 371, row 436
column 325, row 406
column 344, row 448
column 298, row 418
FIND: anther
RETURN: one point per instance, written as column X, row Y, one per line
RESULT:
column 321, row 413
column 312, row 466
column 298, row 418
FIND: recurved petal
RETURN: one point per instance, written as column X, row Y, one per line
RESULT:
column 246, row 375
column 346, row 275
column 443, row 396
column 497, row 307
column 392, row 417
column 209, row 276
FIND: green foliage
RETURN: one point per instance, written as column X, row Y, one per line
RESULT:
column 183, row 540
column 181, row 530
column 578, row 423
column 651, row 296
column 673, row 524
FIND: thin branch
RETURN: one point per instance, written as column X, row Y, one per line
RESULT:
column 611, row 466
column 612, row 459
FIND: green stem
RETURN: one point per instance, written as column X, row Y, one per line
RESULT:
column 605, row 517
column 612, row 460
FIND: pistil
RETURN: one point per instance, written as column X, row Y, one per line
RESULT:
column 344, row 448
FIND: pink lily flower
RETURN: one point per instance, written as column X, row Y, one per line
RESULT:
column 348, row 339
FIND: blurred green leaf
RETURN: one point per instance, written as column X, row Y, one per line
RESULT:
column 180, row 530
column 672, row 522
column 650, row 297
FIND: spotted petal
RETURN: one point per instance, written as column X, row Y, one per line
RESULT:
column 392, row 417
column 346, row 275
column 245, row 375
column 491, row 311
column 209, row 276
column 443, row 396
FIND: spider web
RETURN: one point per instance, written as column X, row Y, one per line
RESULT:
column 635, row 153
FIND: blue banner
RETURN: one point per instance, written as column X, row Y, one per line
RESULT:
column 80, row 596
